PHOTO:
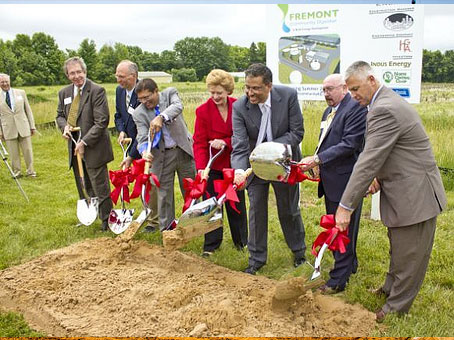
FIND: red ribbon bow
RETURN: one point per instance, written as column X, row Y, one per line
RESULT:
column 340, row 240
column 194, row 189
column 297, row 175
column 225, row 186
column 138, row 168
column 120, row 179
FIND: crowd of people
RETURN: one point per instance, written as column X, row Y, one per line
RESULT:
column 370, row 140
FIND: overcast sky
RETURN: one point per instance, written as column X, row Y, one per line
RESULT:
column 156, row 27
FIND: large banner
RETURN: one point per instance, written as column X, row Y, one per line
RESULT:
column 308, row 42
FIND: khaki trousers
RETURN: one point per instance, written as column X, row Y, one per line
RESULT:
column 25, row 144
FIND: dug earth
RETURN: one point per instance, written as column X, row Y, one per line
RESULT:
column 98, row 288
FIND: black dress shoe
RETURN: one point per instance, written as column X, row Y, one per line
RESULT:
column 105, row 225
column 150, row 229
column 252, row 269
column 298, row 261
column 327, row 290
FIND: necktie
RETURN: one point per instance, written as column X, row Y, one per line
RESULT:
column 74, row 109
column 265, row 126
column 330, row 117
column 8, row 100
column 128, row 100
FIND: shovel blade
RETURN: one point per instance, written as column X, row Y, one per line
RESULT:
column 120, row 219
column 87, row 211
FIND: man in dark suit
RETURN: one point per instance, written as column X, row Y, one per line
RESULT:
column 90, row 112
column 163, row 112
column 126, row 102
column 268, row 113
column 341, row 139
column 398, row 160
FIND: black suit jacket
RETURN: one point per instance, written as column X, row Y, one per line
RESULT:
column 123, row 119
column 341, row 147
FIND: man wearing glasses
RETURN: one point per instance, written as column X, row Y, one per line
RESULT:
column 268, row 113
column 172, row 149
column 341, row 139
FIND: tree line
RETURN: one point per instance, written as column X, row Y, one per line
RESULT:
column 37, row 59
column 438, row 67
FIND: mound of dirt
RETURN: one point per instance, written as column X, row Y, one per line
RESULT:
column 103, row 288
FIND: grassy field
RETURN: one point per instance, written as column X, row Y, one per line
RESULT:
column 49, row 220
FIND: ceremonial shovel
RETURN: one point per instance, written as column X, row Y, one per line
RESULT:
column 87, row 208
column 120, row 219
column 318, row 259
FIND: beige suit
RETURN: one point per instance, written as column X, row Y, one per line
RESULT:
column 16, row 126
column 398, row 153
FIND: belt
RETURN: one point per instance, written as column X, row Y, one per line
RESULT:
column 172, row 147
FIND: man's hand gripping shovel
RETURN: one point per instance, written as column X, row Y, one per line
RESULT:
column 146, row 211
column 120, row 219
column 87, row 208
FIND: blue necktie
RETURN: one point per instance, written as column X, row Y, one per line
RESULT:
column 8, row 100
column 157, row 136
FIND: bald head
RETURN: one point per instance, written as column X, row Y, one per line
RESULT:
column 334, row 89
column 126, row 74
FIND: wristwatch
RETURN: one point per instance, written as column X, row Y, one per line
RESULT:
column 317, row 160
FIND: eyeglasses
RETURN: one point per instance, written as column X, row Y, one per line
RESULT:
column 144, row 99
column 330, row 89
column 254, row 89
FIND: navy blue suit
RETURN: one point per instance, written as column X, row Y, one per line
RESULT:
column 123, row 119
column 338, row 154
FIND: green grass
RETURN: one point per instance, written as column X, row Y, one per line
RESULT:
column 49, row 220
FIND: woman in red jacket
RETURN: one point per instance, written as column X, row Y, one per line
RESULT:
column 213, row 127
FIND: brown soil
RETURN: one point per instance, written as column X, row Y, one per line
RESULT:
column 103, row 287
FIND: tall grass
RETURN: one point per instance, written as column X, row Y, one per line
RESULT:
column 49, row 220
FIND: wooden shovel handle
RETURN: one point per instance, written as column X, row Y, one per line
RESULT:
column 79, row 165
column 74, row 128
column 127, row 140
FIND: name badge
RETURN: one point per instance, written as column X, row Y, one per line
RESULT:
column 67, row 101
column 19, row 98
column 130, row 110
column 323, row 125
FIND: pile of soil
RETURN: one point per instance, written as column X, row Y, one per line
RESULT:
column 104, row 288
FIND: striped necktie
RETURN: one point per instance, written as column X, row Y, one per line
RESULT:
column 74, row 109
column 128, row 100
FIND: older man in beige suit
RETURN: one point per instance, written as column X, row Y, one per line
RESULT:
column 17, row 125
column 397, row 160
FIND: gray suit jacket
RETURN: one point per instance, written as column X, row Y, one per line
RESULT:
column 286, row 124
column 398, row 152
column 169, row 104
column 18, row 122
column 93, row 119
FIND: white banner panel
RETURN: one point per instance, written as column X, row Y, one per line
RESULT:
column 308, row 42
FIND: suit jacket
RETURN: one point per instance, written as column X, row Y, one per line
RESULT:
column 209, row 125
column 398, row 152
column 286, row 124
column 93, row 119
column 123, row 119
column 19, row 122
column 170, row 105
column 340, row 148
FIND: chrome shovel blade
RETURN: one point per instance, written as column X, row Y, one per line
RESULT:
column 318, row 261
column 120, row 219
column 87, row 212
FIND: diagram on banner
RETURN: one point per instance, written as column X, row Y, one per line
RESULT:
column 308, row 58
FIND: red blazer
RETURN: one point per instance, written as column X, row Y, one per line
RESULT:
column 209, row 125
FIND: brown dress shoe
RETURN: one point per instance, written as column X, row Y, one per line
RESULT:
column 327, row 290
column 378, row 292
column 380, row 315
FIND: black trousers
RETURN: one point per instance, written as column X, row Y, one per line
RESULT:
column 347, row 263
column 237, row 222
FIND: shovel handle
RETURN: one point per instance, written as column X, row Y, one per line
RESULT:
column 127, row 140
column 79, row 165
column 74, row 128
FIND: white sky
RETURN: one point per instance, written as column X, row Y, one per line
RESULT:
column 156, row 27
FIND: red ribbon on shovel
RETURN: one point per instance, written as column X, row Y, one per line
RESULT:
column 138, row 168
column 120, row 179
column 194, row 189
column 226, row 186
column 297, row 175
column 340, row 240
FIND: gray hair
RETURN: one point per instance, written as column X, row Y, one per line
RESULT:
column 132, row 66
column 360, row 69
column 71, row 60
column 4, row 75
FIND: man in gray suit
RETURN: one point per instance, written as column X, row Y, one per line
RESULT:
column 397, row 160
column 163, row 112
column 84, row 104
column 268, row 113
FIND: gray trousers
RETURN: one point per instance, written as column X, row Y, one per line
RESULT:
column 410, row 249
column 287, row 200
column 175, row 160
column 97, row 185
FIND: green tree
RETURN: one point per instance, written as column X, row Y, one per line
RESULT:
column 107, row 64
column 49, row 65
column 261, row 52
column 136, row 55
column 169, row 60
column 87, row 51
column 150, row 61
column 203, row 54
column 253, row 54
column 239, row 58
column 184, row 74
column 8, row 60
